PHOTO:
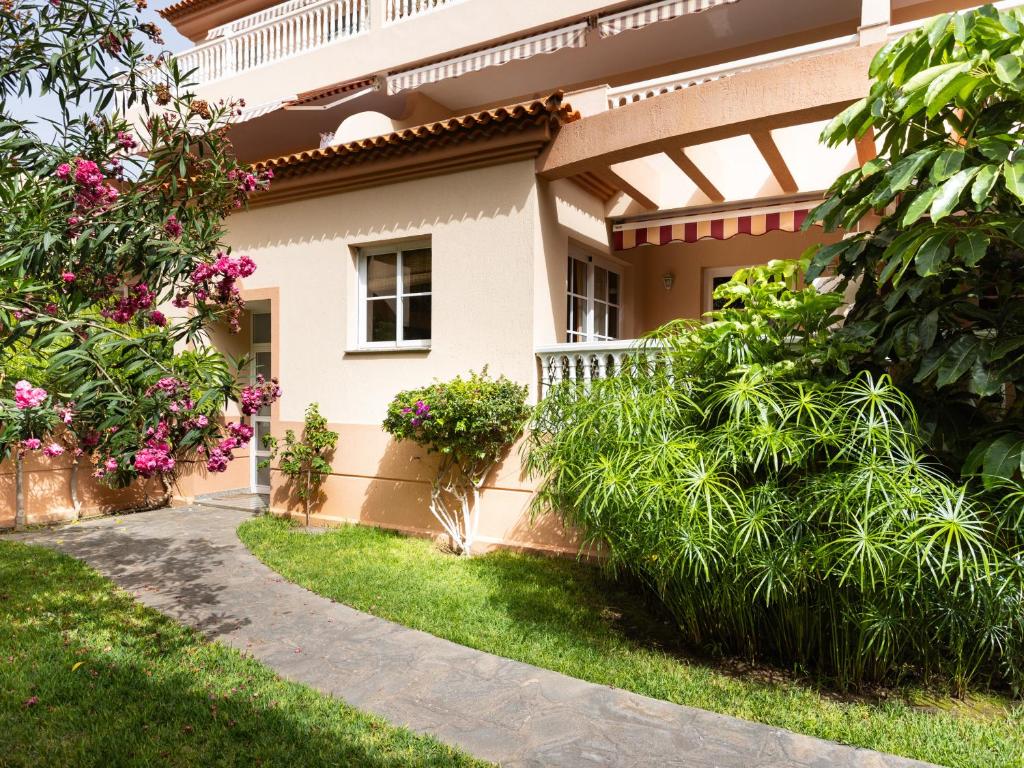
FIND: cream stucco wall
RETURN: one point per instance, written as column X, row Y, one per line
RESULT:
column 480, row 226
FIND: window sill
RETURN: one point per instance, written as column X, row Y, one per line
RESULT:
column 392, row 350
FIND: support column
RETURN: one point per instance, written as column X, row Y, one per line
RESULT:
column 875, row 18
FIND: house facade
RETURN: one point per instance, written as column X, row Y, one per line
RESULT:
column 526, row 186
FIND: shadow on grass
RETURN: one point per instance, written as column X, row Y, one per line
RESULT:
column 88, row 677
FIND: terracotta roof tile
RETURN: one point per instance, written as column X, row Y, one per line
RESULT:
column 182, row 7
column 488, row 122
column 333, row 90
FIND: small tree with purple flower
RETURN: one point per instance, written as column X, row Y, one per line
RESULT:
column 471, row 423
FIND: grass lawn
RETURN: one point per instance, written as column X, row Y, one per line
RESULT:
column 89, row 677
column 566, row 616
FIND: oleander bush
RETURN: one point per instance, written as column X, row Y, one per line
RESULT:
column 784, row 507
column 470, row 422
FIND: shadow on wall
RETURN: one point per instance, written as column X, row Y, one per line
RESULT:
column 47, row 493
column 474, row 195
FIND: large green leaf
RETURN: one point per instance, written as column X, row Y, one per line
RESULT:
column 971, row 248
column 946, row 164
column 919, row 205
column 948, row 198
column 983, row 183
column 957, row 360
column 1008, row 68
column 934, row 252
column 1013, row 173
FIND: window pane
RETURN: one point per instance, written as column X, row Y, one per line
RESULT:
column 579, row 281
column 416, row 320
column 262, row 360
column 262, row 430
column 380, row 320
column 382, row 275
column 613, row 288
column 600, row 284
column 579, row 315
column 600, row 318
column 416, row 271
column 261, row 328
column 263, row 476
column 613, row 322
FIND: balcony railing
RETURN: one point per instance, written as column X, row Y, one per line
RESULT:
column 625, row 95
column 583, row 363
column 274, row 34
column 400, row 10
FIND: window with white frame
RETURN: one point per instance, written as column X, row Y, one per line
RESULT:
column 593, row 300
column 395, row 296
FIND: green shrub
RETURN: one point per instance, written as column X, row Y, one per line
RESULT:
column 782, row 507
column 471, row 423
column 305, row 461
column 940, row 277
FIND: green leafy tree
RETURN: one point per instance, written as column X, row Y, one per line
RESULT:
column 305, row 462
column 783, row 507
column 109, row 213
column 471, row 423
column 941, row 278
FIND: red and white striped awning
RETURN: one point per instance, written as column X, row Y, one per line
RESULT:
column 637, row 18
column 717, row 226
column 574, row 36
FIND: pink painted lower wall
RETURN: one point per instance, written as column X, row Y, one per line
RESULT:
column 47, row 493
column 377, row 481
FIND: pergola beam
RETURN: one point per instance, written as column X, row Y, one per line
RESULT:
column 789, row 93
column 776, row 162
column 687, row 166
column 627, row 187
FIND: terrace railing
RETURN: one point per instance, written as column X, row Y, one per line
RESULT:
column 400, row 10
column 274, row 34
column 584, row 363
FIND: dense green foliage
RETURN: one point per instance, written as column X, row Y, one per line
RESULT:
column 782, row 508
column 110, row 210
column 305, row 461
column 942, row 275
column 470, row 422
column 571, row 617
column 89, row 677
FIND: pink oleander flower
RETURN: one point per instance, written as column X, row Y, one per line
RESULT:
column 126, row 140
column 227, row 445
column 151, row 461
column 242, row 432
column 217, row 461
column 68, row 277
column 202, row 421
column 66, row 412
column 156, row 317
column 31, row 443
column 64, row 171
column 110, row 465
column 26, row 396
column 53, row 450
column 172, row 226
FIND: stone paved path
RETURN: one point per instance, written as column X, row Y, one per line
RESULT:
column 189, row 564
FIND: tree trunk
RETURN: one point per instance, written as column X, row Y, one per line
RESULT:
column 306, row 499
column 73, row 483
column 19, row 493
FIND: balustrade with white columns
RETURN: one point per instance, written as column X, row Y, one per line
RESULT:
column 274, row 34
column 583, row 363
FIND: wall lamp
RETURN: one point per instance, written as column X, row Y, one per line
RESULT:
column 667, row 280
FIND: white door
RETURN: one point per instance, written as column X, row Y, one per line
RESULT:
column 261, row 362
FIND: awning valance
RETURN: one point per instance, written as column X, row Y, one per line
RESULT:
column 637, row 18
column 574, row 36
column 717, row 226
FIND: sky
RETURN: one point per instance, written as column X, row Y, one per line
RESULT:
column 47, row 107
